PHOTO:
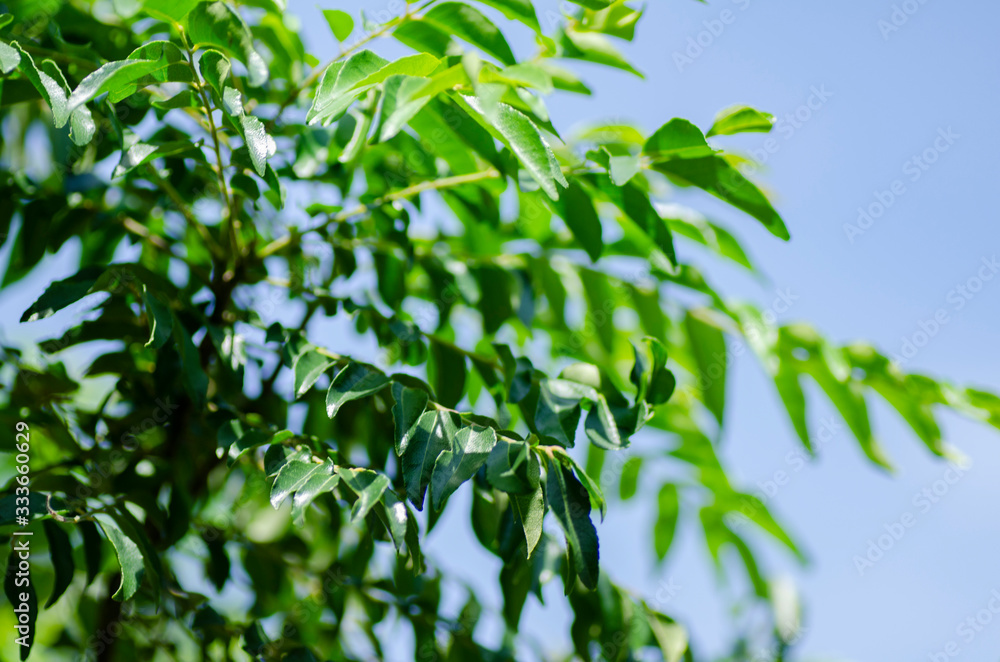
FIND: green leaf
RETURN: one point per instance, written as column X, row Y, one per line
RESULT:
column 409, row 405
column 401, row 101
column 557, row 414
column 569, row 502
column 623, row 168
column 139, row 153
column 122, row 78
column 602, row 302
column 62, row 293
column 9, row 58
column 354, row 381
column 615, row 20
column 174, row 10
column 629, row 482
column 593, row 47
column 433, row 434
column 49, row 88
column 670, row 637
column 593, row 489
column 708, row 347
column 15, row 592
column 523, row 138
column 217, row 24
column 91, row 548
column 171, row 66
column 61, row 553
column 517, row 10
column 308, row 367
column 715, row 175
column 470, row 448
column 130, row 558
column 343, row 82
column 432, row 32
column 341, row 23
column 576, row 207
column 668, row 509
column 293, row 476
column 530, row 510
column 635, row 204
column 512, row 467
column 195, row 379
column 653, row 381
column 368, row 485
column 215, row 69
column 447, row 373
column 677, row 139
column 741, row 119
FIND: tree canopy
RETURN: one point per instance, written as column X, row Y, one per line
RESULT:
column 314, row 300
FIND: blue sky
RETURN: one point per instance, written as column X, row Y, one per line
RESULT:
column 880, row 97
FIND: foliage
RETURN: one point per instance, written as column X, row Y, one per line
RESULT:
column 509, row 306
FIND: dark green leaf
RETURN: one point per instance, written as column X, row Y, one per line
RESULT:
column 130, row 558
column 431, row 32
column 569, row 502
column 61, row 553
column 354, row 381
column 369, row 487
column 470, row 448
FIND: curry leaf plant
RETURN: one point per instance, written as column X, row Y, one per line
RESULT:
column 313, row 305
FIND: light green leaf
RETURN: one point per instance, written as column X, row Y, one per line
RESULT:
column 354, row 381
column 741, row 119
column 530, row 510
column 174, row 10
column 670, row 637
column 593, row 47
column 708, row 347
column 668, row 509
column 260, row 145
column 715, row 175
column 432, row 32
column 9, row 58
column 517, row 10
column 623, row 168
column 341, row 23
column 677, row 139
column 629, row 481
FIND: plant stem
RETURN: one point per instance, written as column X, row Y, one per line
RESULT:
column 429, row 185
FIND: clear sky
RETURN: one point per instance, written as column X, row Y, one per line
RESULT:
column 880, row 97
